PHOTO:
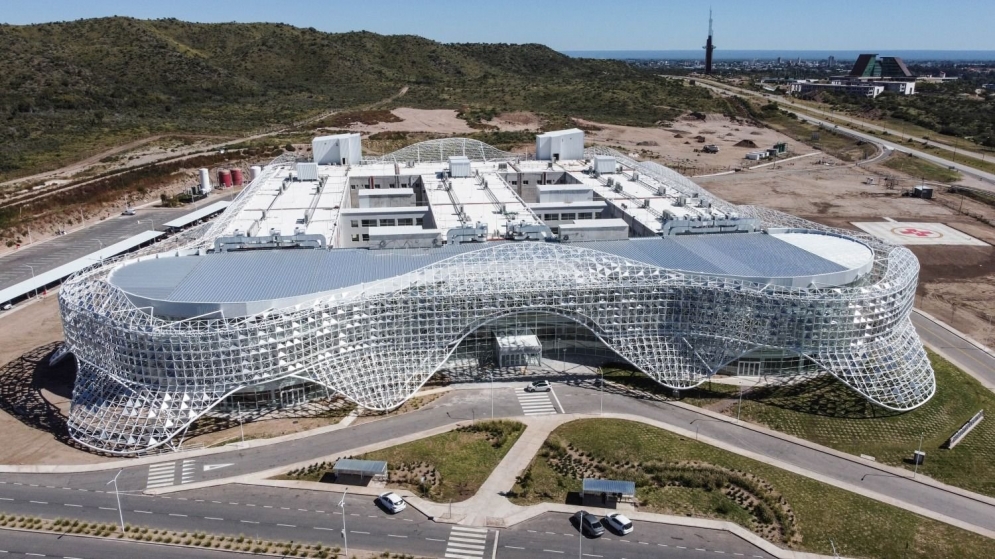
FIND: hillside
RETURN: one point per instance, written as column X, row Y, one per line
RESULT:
column 72, row 88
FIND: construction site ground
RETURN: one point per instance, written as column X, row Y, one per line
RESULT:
column 956, row 283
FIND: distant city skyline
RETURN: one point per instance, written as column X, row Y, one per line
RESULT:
column 587, row 25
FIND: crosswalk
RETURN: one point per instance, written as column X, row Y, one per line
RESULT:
column 466, row 543
column 163, row 474
column 535, row 403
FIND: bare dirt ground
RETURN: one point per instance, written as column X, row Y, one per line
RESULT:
column 956, row 283
column 34, row 398
column 440, row 121
column 515, row 121
column 676, row 146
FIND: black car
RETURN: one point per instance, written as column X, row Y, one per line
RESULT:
column 588, row 524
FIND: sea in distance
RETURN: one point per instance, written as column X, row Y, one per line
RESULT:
column 946, row 55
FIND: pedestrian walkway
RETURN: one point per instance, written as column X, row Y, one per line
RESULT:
column 163, row 474
column 466, row 543
column 535, row 403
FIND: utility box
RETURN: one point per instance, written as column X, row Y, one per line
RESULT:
column 604, row 164
column 459, row 166
column 307, row 171
column 924, row 192
column 560, row 145
column 340, row 149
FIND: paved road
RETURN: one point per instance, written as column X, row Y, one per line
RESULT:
column 314, row 517
column 577, row 397
column 59, row 250
column 965, row 169
column 34, row 545
column 967, row 355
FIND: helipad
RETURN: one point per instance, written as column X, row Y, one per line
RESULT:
column 909, row 233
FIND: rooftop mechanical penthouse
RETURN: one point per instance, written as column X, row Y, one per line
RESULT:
column 364, row 277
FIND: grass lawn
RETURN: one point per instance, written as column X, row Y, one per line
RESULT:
column 826, row 412
column 454, row 464
column 920, row 168
column 680, row 476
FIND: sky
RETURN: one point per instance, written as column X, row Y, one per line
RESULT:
column 877, row 25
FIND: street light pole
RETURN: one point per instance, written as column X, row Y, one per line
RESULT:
column 739, row 408
column 118, row 495
column 492, row 393
column 918, row 454
column 602, row 371
column 345, row 539
column 240, row 429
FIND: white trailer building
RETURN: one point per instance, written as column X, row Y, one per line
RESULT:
column 560, row 145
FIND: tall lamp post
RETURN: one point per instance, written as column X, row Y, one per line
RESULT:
column 345, row 539
column 117, row 494
column 602, row 371
column 918, row 457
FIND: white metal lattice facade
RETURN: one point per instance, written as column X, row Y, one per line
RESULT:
column 144, row 379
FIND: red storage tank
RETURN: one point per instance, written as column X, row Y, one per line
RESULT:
column 236, row 177
column 224, row 178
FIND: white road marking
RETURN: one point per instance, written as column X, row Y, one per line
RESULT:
column 552, row 551
column 248, row 522
column 212, row 518
column 68, row 505
column 466, row 543
column 287, row 525
column 358, row 532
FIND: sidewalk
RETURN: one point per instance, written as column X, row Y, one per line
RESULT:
column 489, row 507
column 501, row 512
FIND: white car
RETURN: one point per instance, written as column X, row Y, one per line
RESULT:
column 619, row 523
column 392, row 502
column 539, row 386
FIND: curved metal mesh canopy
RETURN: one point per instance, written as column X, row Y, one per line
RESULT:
column 442, row 149
column 144, row 379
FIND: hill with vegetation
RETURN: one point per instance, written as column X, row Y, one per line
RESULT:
column 72, row 88
column 952, row 108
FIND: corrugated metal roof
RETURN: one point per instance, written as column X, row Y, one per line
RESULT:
column 360, row 467
column 193, row 216
column 69, row 268
column 279, row 274
column 609, row 486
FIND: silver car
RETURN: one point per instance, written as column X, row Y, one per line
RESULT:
column 392, row 502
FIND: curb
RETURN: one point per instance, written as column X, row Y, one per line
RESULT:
column 159, row 544
column 977, row 345
column 897, row 472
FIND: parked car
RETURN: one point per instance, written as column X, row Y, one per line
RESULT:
column 392, row 502
column 588, row 524
column 128, row 211
column 539, row 386
column 619, row 523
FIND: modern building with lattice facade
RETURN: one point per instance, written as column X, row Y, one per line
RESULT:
column 365, row 279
